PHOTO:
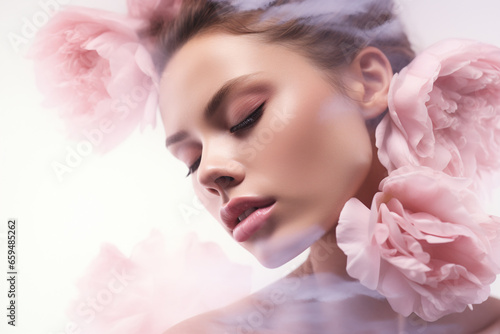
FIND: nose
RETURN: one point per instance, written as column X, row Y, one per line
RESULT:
column 218, row 171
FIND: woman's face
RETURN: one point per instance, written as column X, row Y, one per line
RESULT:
column 269, row 141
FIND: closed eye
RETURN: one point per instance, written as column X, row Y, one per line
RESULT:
column 250, row 120
column 245, row 124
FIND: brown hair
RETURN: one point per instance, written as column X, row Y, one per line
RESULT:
column 329, row 42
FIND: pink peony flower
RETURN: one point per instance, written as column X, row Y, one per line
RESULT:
column 426, row 245
column 157, row 287
column 444, row 111
column 91, row 65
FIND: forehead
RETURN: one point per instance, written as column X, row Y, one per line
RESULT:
column 207, row 62
column 200, row 68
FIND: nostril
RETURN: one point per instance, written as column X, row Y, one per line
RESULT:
column 213, row 191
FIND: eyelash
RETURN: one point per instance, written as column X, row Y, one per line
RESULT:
column 245, row 124
column 250, row 120
column 194, row 167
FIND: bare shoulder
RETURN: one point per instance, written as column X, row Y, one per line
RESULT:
column 219, row 321
column 232, row 319
column 228, row 320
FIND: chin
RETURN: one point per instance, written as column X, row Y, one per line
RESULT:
column 276, row 250
column 273, row 261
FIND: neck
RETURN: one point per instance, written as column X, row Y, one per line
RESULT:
column 326, row 257
column 372, row 181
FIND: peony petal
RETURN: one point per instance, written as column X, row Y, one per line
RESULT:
column 444, row 111
column 353, row 238
column 435, row 245
column 147, row 287
column 103, row 75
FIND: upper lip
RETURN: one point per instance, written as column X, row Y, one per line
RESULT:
column 237, row 206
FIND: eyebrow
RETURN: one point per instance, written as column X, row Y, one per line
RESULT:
column 213, row 104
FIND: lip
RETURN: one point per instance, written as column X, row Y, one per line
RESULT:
column 237, row 206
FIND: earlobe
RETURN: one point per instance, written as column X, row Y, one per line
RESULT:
column 372, row 78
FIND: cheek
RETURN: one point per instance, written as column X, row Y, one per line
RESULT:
column 323, row 145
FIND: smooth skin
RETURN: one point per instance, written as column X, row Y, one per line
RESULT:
column 307, row 147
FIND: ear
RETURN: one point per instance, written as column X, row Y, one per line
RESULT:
column 369, row 76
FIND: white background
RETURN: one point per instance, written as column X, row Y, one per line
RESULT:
column 121, row 196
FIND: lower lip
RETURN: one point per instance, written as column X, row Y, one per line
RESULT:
column 251, row 224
